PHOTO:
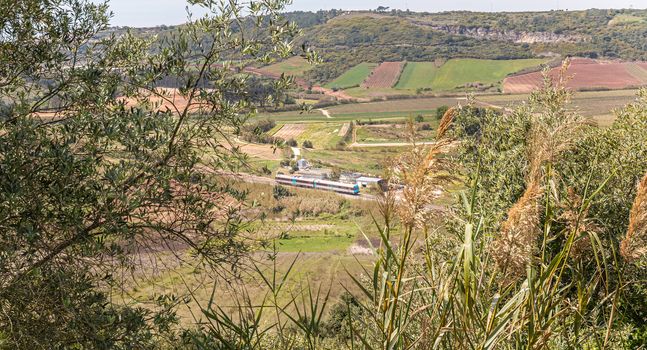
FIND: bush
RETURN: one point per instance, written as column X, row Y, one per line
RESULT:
column 440, row 111
column 307, row 144
column 420, row 118
column 292, row 143
column 279, row 192
column 425, row 127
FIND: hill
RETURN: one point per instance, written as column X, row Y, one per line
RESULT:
column 354, row 37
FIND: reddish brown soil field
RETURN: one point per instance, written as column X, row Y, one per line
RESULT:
column 585, row 74
column 384, row 76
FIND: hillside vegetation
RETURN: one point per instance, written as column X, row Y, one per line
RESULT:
column 400, row 35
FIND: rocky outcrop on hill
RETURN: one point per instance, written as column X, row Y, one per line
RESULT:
column 507, row 35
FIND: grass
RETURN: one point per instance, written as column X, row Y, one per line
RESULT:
column 451, row 75
column 458, row 72
column 352, row 77
column 380, row 110
column 417, row 75
column 394, row 133
column 316, row 117
column 625, row 19
column 295, row 66
column 598, row 105
column 368, row 161
column 307, row 243
column 322, row 135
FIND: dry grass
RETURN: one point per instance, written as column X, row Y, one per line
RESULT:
column 445, row 122
column 635, row 243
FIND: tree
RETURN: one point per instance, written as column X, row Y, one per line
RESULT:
column 307, row 144
column 440, row 111
column 98, row 166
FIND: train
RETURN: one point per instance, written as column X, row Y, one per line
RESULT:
column 327, row 185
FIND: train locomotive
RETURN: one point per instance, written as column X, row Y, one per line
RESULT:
column 327, row 185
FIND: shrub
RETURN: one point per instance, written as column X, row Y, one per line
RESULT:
column 292, row 143
column 440, row 111
column 279, row 192
column 420, row 118
column 307, row 144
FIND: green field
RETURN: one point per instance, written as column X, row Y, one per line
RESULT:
column 295, row 66
column 417, row 75
column 451, row 75
column 352, row 77
column 458, row 72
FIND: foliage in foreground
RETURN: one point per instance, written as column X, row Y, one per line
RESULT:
column 101, row 170
column 475, row 286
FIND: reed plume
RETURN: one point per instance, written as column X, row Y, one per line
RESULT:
column 634, row 246
column 422, row 172
column 577, row 220
column 553, row 131
column 445, row 123
column 514, row 247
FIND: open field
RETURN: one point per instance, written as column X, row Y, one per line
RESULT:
column 290, row 131
column 365, row 160
column 352, row 77
column 417, row 75
column 585, row 74
column 381, row 133
column 448, row 76
column 322, row 135
column 598, row 105
column 383, row 76
column 458, row 72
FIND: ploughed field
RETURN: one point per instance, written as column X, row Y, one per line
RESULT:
column 384, row 76
column 585, row 74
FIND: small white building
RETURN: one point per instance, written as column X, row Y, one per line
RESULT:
column 303, row 164
column 368, row 180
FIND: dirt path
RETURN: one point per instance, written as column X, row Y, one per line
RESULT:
column 487, row 104
column 344, row 130
column 325, row 112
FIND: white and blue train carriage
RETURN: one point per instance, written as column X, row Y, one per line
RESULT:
column 327, row 185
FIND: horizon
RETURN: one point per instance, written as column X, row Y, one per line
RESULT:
column 151, row 13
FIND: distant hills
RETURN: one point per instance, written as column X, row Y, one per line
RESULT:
column 441, row 51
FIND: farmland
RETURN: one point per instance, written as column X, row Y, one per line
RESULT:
column 458, row 72
column 417, row 75
column 436, row 76
column 585, row 74
column 384, row 76
column 352, row 77
column 290, row 131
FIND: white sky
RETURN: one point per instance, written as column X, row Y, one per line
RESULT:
column 143, row 13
